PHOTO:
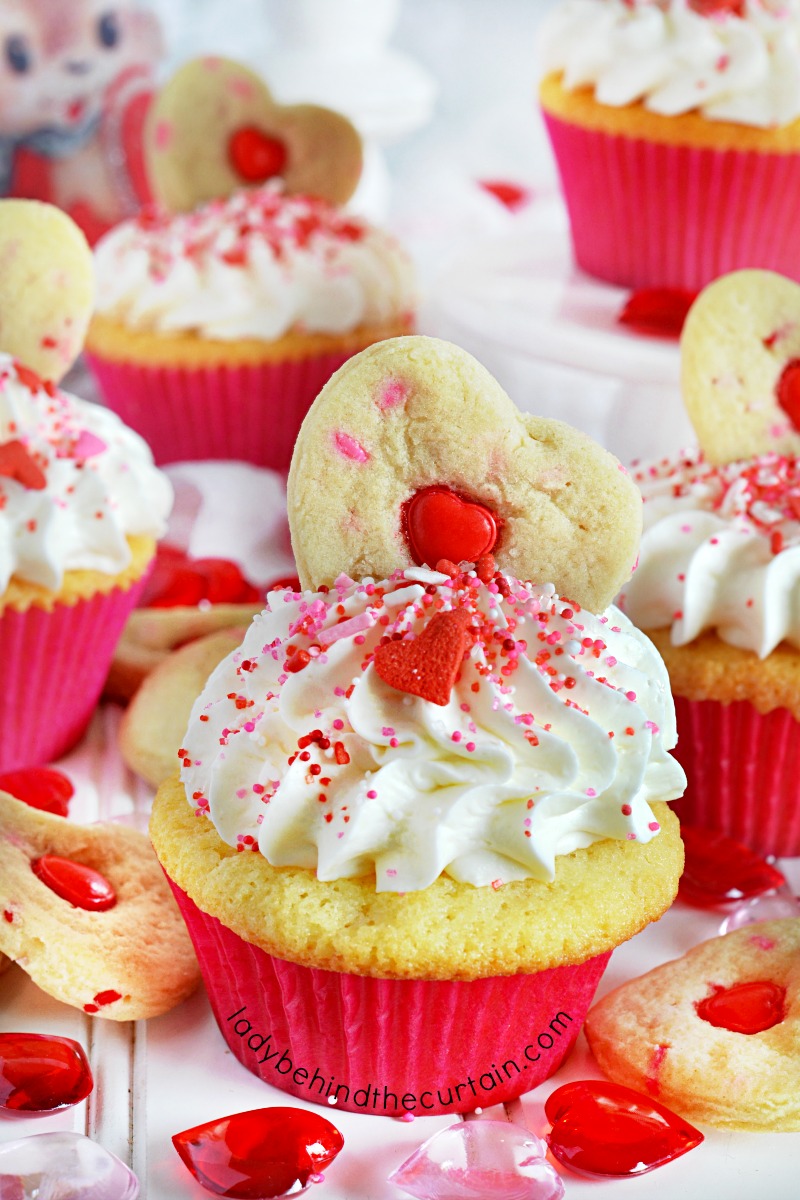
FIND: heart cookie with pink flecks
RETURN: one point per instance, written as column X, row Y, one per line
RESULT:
column 47, row 287
column 86, row 911
column 715, row 1034
column 740, row 366
column 215, row 127
column 414, row 454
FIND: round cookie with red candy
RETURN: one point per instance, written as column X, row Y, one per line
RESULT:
column 740, row 366
column 414, row 454
column 87, row 913
column 715, row 1034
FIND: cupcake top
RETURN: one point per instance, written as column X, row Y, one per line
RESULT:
column 731, row 60
column 720, row 550
column 258, row 264
column 74, row 483
column 549, row 731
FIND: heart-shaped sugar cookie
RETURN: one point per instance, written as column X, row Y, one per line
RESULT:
column 215, row 127
column 413, row 453
column 740, row 366
column 46, row 286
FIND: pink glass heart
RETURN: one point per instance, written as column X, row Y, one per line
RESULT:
column 480, row 1160
column 39, row 1073
column 604, row 1129
column 63, row 1166
column 266, row 1152
column 773, row 906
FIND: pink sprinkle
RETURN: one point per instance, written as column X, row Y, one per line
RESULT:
column 387, row 730
column 249, row 726
column 365, row 620
column 497, row 884
column 651, row 725
column 163, row 135
column 686, row 529
column 407, row 1117
column 338, row 724
column 591, row 792
column 348, row 447
column 654, row 825
column 470, row 746
column 527, row 822
column 630, row 696
column 390, row 871
column 240, row 87
column 241, row 793
column 88, row 444
column 456, row 736
column 395, row 392
column 631, row 837
column 393, row 742
column 372, row 795
column 626, row 810
column 763, row 943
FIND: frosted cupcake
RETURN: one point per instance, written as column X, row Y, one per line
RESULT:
column 221, row 314
column 81, row 506
column 718, row 580
column 440, row 791
column 685, row 118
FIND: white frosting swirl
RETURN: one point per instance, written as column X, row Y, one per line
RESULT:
column 74, row 482
column 256, row 265
column 555, row 735
column 720, row 550
column 740, row 65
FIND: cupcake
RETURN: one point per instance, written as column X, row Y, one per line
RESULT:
column 439, row 791
column 221, row 313
column 81, row 506
column 718, row 580
column 684, row 118
column 81, row 503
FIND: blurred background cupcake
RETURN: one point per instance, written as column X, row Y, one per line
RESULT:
column 221, row 314
column 676, row 128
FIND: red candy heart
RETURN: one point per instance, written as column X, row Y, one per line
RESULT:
column 74, row 882
column 658, row 312
column 719, row 870
column 262, row 1153
column 428, row 665
column 744, row 1008
column 17, row 463
column 40, row 787
column 605, row 1129
column 39, row 1073
column 255, row 155
column 788, row 391
column 441, row 524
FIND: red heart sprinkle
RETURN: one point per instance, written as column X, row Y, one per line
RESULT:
column 787, row 390
column 744, row 1008
column 428, row 665
column 262, row 1153
column 16, row 462
column 512, row 195
column 74, row 882
column 720, row 870
column 40, row 1072
column 658, row 312
column 605, row 1129
column 441, row 524
column 40, row 787
column 255, row 155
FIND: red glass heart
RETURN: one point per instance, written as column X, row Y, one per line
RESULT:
column 39, row 1073
column 658, row 312
column 605, row 1129
column 254, row 155
column 720, row 870
column 512, row 195
column 180, row 581
column 428, row 665
column 441, row 524
column 286, row 581
column 708, row 8
column 262, row 1153
column 744, row 1008
column 40, row 787
column 74, row 882
column 224, row 582
column 788, row 391
column 17, row 463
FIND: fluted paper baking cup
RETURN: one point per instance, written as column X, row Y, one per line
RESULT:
column 743, row 772
column 54, row 664
column 388, row 1046
column 650, row 214
column 250, row 412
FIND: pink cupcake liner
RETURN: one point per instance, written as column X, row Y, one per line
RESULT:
column 53, row 664
column 649, row 214
column 743, row 771
column 388, row 1046
column 252, row 413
